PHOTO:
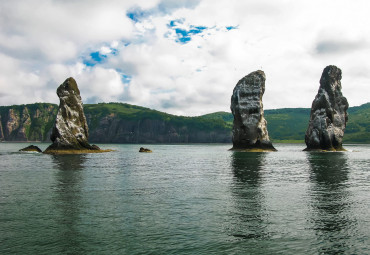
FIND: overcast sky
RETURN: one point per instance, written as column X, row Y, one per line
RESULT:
column 182, row 57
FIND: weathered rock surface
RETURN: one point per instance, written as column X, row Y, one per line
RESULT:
column 12, row 122
column 31, row 148
column 250, row 126
column 70, row 131
column 30, row 122
column 328, row 113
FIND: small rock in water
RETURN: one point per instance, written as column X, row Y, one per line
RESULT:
column 142, row 149
column 328, row 113
column 95, row 147
column 31, row 148
column 249, row 126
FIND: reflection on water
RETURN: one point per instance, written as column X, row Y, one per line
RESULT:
column 331, row 215
column 69, row 179
column 194, row 199
column 247, row 166
column 248, row 199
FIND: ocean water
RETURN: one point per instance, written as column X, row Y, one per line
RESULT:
column 185, row 199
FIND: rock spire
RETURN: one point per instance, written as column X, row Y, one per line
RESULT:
column 328, row 113
column 250, row 127
column 70, row 131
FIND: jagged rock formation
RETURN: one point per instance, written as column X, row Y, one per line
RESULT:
column 31, row 122
column 250, row 126
column 70, row 131
column 31, row 148
column 328, row 113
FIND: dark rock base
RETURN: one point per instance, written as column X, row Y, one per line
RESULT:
column 57, row 149
column 325, row 150
column 265, row 146
column 31, row 148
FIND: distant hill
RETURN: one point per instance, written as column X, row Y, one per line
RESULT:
column 125, row 123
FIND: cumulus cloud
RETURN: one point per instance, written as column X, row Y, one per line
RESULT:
column 182, row 57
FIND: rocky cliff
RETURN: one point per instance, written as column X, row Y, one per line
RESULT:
column 27, row 122
column 328, row 116
column 120, row 123
column 250, row 126
column 283, row 124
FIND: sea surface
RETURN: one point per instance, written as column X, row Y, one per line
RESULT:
column 185, row 199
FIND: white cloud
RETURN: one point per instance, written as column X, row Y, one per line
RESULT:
column 188, row 71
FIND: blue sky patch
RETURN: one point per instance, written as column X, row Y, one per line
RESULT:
column 232, row 27
column 94, row 58
column 97, row 57
column 184, row 35
column 137, row 14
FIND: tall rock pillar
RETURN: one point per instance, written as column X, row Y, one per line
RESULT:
column 328, row 113
column 70, row 131
column 250, row 127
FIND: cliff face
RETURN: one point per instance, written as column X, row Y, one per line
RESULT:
column 26, row 122
column 109, row 126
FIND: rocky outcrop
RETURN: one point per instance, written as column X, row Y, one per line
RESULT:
column 17, row 124
column 29, row 122
column 25, row 122
column 70, row 131
column 142, row 149
column 249, row 126
column 328, row 116
column 31, row 148
column 12, row 122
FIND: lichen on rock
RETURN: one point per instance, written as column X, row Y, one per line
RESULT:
column 329, row 115
column 70, row 131
column 249, row 126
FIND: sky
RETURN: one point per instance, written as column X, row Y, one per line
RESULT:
column 182, row 57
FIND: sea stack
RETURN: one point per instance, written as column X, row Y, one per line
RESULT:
column 250, row 127
column 70, row 131
column 328, row 114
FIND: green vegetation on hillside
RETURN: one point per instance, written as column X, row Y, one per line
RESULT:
column 290, row 124
column 37, row 120
column 358, row 126
column 284, row 125
column 135, row 113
